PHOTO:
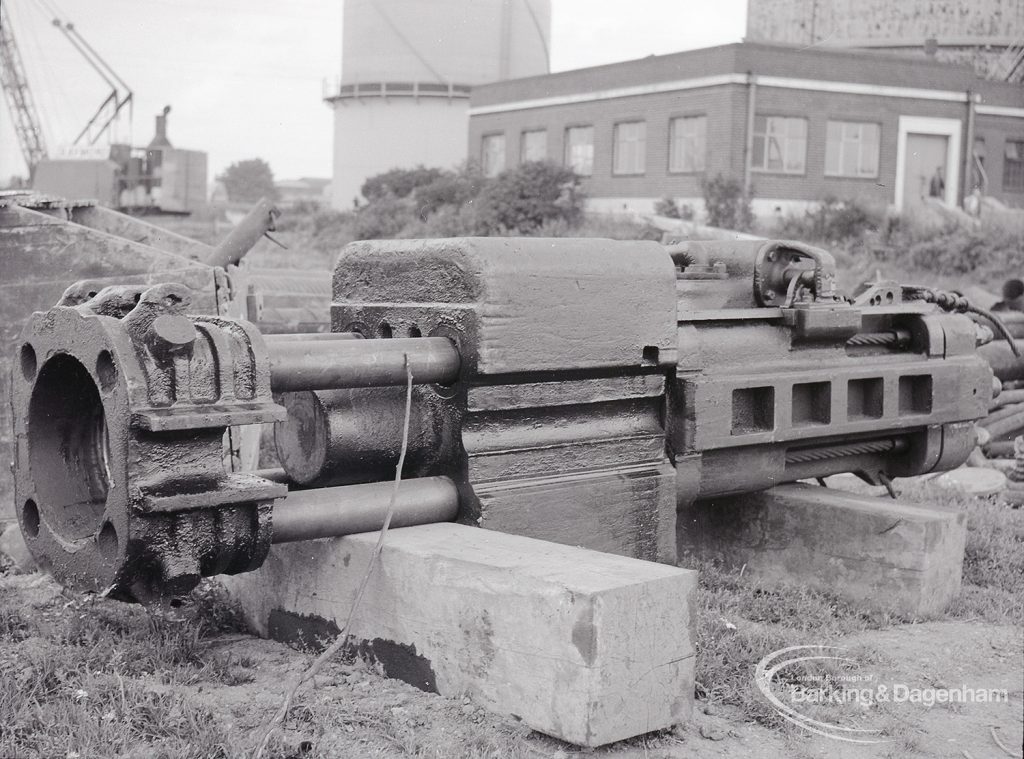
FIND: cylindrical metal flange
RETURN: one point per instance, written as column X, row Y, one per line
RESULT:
column 350, row 509
column 344, row 363
column 120, row 405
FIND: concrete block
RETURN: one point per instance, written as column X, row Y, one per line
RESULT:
column 876, row 551
column 585, row 646
column 12, row 545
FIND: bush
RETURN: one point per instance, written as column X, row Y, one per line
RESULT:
column 831, row 222
column 521, row 200
column 449, row 189
column 400, row 183
column 385, row 217
column 986, row 252
column 728, row 207
column 667, row 207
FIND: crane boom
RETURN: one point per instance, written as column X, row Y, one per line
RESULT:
column 19, row 96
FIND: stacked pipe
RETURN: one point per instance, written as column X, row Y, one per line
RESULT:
column 1005, row 420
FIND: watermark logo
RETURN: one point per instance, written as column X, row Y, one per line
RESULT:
column 788, row 679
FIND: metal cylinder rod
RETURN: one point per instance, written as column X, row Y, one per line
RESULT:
column 337, row 364
column 351, row 509
column 245, row 235
column 298, row 337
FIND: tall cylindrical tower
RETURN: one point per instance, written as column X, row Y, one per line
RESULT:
column 406, row 72
column 989, row 34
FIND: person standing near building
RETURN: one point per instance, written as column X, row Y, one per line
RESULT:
column 937, row 185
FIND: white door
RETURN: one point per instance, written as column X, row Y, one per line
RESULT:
column 925, row 171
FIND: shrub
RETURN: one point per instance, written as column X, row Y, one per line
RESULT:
column 667, row 207
column 832, row 221
column 400, row 183
column 383, row 218
column 953, row 249
column 449, row 189
column 521, row 200
column 728, row 206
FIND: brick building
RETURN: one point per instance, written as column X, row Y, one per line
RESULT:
column 795, row 124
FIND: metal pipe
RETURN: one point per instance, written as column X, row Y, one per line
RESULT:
column 292, row 337
column 245, row 235
column 748, row 148
column 351, row 509
column 338, row 364
column 1005, row 365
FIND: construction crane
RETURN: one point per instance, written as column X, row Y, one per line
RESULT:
column 116, row 100
column 23, row 108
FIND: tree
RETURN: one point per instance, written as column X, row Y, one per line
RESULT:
column 399, row 183
column 522, row 199
column 728, row 206
column 249, row 180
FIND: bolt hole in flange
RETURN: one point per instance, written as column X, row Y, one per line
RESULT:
column 68, row 449
column 106, row 370
column 30, row 518
column 28, row 362
column 107, row 541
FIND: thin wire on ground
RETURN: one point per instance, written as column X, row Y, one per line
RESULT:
column 339, row 642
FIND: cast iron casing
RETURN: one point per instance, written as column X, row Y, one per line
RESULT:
column 121, row 404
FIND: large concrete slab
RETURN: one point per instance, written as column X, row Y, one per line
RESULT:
column 876, row 551
column 581, row 645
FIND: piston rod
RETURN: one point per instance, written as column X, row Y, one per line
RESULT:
column 344, row 363
column 350, row 509
column 293, row 337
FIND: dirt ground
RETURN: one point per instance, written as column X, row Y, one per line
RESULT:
column 354, row 712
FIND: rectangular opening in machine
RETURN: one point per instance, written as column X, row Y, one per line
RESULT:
column 753, row 410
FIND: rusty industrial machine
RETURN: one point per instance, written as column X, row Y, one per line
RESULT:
column 587, row 392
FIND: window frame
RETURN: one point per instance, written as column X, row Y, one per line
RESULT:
column 878, row 149
column 484, row 138
column 783, row 171
column 615, row 148
column 522, row 143
column 567, row 146
column 672, row 141
column 1006, row 186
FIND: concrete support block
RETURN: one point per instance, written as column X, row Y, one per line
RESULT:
column 584, row 646
column 870, row 550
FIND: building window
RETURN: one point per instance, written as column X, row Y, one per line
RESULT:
column 687, row 143
column 630, row 151
column 579, row 149
column 851, row 149
column 780, row 144
column 1013, row 166
column 533, row 146
column 492, row 154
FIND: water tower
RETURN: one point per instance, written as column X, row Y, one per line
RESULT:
column 988, row 34
column 407, row 67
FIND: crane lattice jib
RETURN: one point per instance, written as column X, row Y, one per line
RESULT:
column 23, row 108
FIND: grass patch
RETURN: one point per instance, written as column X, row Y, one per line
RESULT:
column 83, row 677
column 740, row 620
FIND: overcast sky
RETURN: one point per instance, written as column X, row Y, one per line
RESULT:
column 244, row 77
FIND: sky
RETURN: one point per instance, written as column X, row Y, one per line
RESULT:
column 245, row 77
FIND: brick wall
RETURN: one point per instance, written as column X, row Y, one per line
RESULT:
column 838, row 20
column 819, row 108
column 996, row 130
column 725, row 106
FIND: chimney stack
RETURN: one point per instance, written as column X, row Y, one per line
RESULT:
column 160, row 138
